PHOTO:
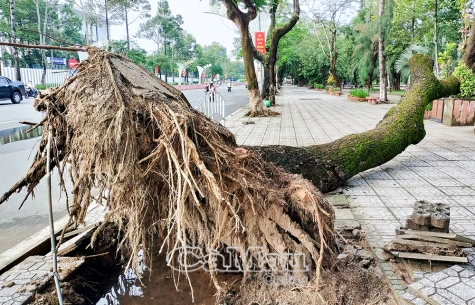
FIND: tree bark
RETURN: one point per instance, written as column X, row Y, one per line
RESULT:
column 330, row 165
column 469, row 55
column 127, row 28
column 383, row 96
column 107, row 20
column 13, row 32
column 395, row 79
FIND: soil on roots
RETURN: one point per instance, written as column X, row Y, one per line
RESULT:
column 164, row 169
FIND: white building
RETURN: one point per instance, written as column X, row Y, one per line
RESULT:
column 96, row 30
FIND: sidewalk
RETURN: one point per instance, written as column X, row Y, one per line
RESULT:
column 441, row 168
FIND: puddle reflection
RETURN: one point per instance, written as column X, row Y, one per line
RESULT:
column 18, row 134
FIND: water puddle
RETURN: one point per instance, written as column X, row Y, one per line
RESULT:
column 18, row 134
column 158, row 287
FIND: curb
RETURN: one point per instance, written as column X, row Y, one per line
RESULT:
column 33, row 245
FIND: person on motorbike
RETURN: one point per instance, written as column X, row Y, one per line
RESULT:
column 229, row 86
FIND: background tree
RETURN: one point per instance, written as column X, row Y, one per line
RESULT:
column 13, row 38
column 216, row 55
column 164, row 29
column 327, row 17
column 274, row 34
column 120, row 10
column 242, row 12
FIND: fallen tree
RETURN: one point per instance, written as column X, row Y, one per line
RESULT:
column 169, row 175
column 330, row 165
column 166, row 172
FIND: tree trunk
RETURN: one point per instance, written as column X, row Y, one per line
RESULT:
column 372, row 65
column 330, row 165
column 13, row 32
column 269, row 85
column 395, row 79
column 127, row 28
column 469, row 55
column 250, row 72
column 383, row 96
column 333, row 69
column 107, row 20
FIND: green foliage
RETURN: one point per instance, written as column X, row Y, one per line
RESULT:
column 466, row 78
column 242, row 80
column 361, row 93
column 447, row 59
column 45, row 86
column 401, row 63
column 318, row 86
column 429, row 107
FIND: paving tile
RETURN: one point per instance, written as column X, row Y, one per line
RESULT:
column 463, row 291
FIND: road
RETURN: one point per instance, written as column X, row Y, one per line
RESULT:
column 15, row 224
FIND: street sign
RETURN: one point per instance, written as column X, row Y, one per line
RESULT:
column 56, row 60
column 260, row 40
column 73, row 63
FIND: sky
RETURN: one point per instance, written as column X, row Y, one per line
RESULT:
column 198, row 21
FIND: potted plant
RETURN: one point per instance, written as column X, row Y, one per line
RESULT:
column 336, row 91
column 358, row 95
column 328, row 89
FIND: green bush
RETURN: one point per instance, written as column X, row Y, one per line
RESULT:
column 359, row 93
column 242, row 80
column 467, row 80
column 45, row 86
column 174, row 83
column 328, row 88
column 335, row 89
column 318, row 86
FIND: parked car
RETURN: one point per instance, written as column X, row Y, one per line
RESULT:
column 11, row 90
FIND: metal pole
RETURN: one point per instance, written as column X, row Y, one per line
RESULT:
column 51, row 224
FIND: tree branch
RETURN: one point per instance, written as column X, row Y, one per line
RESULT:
column 284, row 29
column 330, row 165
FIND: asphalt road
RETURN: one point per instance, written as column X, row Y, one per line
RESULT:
column 15, row 224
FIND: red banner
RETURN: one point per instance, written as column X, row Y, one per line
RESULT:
column 260, row 38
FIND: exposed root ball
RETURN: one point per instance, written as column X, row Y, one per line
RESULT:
column 163, row 168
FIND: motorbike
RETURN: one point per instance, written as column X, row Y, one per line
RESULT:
column 229, row 88
column 31, row 92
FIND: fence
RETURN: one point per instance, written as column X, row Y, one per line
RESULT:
column 34, row 75
column 212, row 105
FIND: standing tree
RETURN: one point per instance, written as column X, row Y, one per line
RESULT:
column 13, row 36
column 164, row 29
column 327, row 16
column 382, row 57
column 120, row 10
column 42, row 27
column 275, row 33
column 242, row 12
